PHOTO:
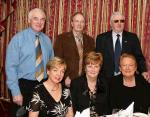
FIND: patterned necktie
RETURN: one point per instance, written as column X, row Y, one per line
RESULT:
column 39, row 74
column 117, row 53
column 80, row 51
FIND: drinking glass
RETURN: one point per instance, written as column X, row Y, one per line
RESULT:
column 148, row 111
column 115, row 112
column 21, row 111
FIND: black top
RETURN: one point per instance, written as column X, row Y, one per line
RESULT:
column 122, row 96
column 43, row 102
column 81, row 98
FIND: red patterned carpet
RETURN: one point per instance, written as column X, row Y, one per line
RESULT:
column 4, row 108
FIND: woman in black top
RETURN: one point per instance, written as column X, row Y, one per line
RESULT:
column 129, row 87
column 52, row 99
column 90, row 90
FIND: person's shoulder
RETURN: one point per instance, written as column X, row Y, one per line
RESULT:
column 19, row 36
column 78, row 80
column 141, row 79
column 20, row 33
column 64, row 86
column 87, row 36
column 45, row 36
column 116, row 79
column 129, row 33
column 65, row 34
column 104, row 35
column 39, row 87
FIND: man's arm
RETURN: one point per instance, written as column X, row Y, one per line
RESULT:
column 12, row 63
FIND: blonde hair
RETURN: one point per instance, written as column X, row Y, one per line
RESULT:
column 54, row 62
column 127, row 55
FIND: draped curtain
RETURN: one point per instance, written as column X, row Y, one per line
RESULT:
column 13, row 18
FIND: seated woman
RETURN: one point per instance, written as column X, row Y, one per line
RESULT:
column 52, row 99
column 90, row 90
column 129, row 87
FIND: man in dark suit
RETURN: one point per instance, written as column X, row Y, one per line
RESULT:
column 72, row 46
column 128, row 42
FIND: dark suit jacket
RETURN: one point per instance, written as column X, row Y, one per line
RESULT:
column 80, row 95
column 130, row 44
column 65, row 47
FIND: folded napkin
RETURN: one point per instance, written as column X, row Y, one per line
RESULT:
column 84, row 113
column 128, row 111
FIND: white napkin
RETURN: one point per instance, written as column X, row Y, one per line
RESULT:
column 128, row 111
column 84, row 113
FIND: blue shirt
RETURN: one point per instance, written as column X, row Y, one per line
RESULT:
column 21, row 57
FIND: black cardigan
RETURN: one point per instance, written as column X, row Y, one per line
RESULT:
column 80, row 95
column 121, row 96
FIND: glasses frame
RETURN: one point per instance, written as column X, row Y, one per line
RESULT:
column 121, row 21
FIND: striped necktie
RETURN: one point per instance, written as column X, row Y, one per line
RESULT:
column 39, row 74
column 80, row 51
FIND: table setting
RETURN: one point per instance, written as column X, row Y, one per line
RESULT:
column 128, row 112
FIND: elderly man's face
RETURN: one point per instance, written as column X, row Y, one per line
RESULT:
column 117, row 23
column 37, row 21
column 78, row 23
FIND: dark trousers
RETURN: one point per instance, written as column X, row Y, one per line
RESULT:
column 26, row 88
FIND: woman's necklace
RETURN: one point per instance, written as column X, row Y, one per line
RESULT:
column 129, row 83
column 55, row 88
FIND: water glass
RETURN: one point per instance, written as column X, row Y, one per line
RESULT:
column 115, row 110
column 148, row 111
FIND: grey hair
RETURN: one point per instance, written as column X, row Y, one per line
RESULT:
column 35, row 10
column 114, row 14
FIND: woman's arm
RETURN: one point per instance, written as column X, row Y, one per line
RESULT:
column 35, row 114
column 70, row 112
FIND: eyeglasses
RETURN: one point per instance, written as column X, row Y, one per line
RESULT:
column 121, row 21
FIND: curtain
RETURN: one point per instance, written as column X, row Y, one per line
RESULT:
column 13, row 18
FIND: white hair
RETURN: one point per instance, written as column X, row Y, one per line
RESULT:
column 114, row 14
column 35, row 10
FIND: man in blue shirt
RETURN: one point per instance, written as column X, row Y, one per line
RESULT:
column 21, row 59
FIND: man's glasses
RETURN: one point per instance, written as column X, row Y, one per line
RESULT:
column 121, row 21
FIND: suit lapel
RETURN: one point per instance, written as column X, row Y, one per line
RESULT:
column 124, row 41
column 84, row 44
column 110, row 45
